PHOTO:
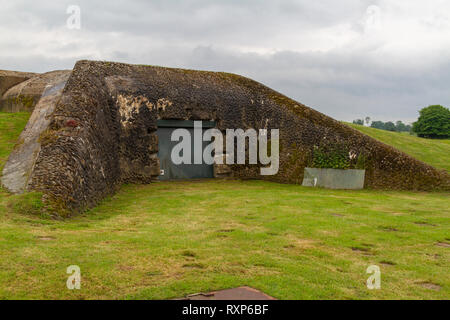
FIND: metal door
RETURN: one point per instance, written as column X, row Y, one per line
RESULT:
column 169, row 170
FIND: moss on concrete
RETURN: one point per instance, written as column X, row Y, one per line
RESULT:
column 47, row 137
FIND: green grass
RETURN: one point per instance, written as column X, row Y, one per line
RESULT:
column 170, row 239
column 11, row 125
column 432, row 151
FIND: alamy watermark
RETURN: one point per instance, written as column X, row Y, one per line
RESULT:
column 372, row 18
column 374, row 281
column 236, row 142
column 74, row 280
column 74, row 19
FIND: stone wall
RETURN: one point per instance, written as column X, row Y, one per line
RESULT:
column 102, row 132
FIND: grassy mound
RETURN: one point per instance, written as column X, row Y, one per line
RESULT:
column 431, row 151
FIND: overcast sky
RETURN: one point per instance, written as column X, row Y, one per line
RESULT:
column 349, row 59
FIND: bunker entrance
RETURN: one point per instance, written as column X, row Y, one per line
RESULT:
column 172, row 171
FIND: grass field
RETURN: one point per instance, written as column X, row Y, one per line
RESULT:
column 432, row 151
column 170, row 239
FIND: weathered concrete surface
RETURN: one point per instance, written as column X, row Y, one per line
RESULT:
column 25, row 95
column 9, row 79
column 18, row 169
column 102, row 132
column 334, row 178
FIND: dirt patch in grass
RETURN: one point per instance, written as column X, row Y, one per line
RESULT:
column 388, row 210
column 397, row 213
column 388, row 263
column 363, row 250
column 337, row 214
column 153, row 273
column 424, row 223
column 443, row 244
column 388, row 228
column 194, row 265
column 430, row 285
column 125, row 268
column 189, row 253
column 45, row 238
column 225, row 230
column 299, row 243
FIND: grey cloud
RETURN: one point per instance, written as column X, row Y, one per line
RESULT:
column 349, row 80
column 344, row 87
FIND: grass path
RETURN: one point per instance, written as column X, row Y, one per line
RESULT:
column 431, row 151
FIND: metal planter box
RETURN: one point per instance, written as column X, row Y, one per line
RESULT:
column 334, row 178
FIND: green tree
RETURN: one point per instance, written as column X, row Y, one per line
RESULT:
column 433, row 122
column 400, row 126
column 359, row 121
column 390, row 126
column 377, row 125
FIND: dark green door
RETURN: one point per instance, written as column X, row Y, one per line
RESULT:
column 169, row 170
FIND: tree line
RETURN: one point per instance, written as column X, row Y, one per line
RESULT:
column 398, row 126
column 433, row 122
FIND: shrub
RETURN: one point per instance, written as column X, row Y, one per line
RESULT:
column 336, row 157
column 361, row 162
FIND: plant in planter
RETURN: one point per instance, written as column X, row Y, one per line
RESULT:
column 335, row 166
column 336, row 157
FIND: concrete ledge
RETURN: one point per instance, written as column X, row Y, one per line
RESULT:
column 334, row 178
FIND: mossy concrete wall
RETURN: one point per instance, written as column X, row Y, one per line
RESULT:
column 102, row 132
column 24, row 96
column 9, row 79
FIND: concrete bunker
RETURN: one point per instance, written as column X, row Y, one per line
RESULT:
column 101, row 130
